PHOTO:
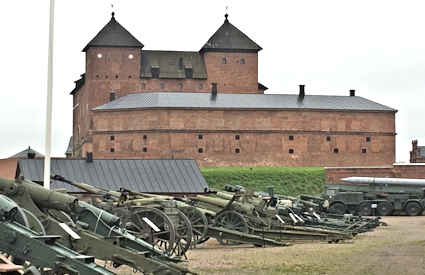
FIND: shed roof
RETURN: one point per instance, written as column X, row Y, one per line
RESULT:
column 172, row 64
column 139, row 175
column 228, row 37
column 114, row 35
column 242, row 101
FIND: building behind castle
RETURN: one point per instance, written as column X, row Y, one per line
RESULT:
column 208, row 105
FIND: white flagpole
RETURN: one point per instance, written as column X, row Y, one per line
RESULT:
column 49, row 99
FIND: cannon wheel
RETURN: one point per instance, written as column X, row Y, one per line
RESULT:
column 232, row 220
column 337, row 208
column 183, row 235
column 198, row 221
column 163, row 239
column 34, row 223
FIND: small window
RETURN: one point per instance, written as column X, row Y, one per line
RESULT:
column 181, row 63
column 237, row 150
column 223, row 60
column 145, row 137
column 129, row 77
column 130, row 56
column 188, row 72
column 155, row 72
column 237, row 137
column 336, row 150
column 145, row 149
column 214, row 87
column 242, row 61
column 97, row 76
column 291, row 137
column 328, row 138
column 116, row 76
column 161, row 85
column 106, row 76
column 291, row 151
column 180, row 85
column 111, row 96
column 112, row 150
column 112, row 137
column 200, row 136
column 364, row 150
column 200, row 150
column 368, row 139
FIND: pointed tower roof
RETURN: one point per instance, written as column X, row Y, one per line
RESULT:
column 230, row 38
column 114, row 35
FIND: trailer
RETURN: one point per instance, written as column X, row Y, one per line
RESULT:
column 368, row 196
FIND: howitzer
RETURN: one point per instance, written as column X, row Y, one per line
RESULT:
column 95, row 231
column 42, row 251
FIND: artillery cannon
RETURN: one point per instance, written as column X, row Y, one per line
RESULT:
column 90, row 229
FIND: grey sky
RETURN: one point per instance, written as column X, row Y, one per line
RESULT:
column 376, row 47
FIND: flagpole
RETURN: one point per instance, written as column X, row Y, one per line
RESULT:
column 49, row 99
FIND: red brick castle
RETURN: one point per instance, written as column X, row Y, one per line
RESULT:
column 208, row 105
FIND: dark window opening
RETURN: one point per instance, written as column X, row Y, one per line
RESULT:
column 181, row 63
column 111, row 96
column 291, row 137
column 161, row 85
column 200, row 150
column 364, row 150
column 237, row 150
column 155, row 72
column 106, row 76
column 214, row 87
column 242, row 61
column 200, row 136
column 237, row 137
column 368, row 139
column 145, row 137
column 145, row 149
column 223, row 60
column 180, row 85
column 291, row 151
column 112, row 137
column 336, row 150
column 201, row 86
column 129, row 76
column 97, row 76
column 188, row 72
column 116, row 76
column 112, row 150
column 328, row 138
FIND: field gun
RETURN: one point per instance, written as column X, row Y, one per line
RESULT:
column 91, row 230
column 42, row 251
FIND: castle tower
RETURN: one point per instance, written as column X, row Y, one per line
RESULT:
column 231, row 60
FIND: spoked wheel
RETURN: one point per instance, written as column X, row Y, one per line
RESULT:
column 183, row 235
column 165, row 238
column 231, row 220
column 198, row 221
column 34, row 223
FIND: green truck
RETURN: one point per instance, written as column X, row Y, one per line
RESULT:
column 368, row 196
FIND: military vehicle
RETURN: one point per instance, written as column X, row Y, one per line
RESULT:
column 368, row 196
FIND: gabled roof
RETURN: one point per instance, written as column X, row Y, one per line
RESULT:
column 79, row 83
column 139, row 175
column 230, row 38
column 28, row 153
column 178, row 100
column 114, row 35
column 172, row 64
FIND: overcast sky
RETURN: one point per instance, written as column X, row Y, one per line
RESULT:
column 376, row 47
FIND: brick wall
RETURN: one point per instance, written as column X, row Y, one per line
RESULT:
column 414, row 171
column 247, row 138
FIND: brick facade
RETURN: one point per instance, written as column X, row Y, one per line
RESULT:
column 417, row 155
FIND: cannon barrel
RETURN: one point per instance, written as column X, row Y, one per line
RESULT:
column 223, row 203
column 372, row 180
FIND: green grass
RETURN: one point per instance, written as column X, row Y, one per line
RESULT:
column 285, row 180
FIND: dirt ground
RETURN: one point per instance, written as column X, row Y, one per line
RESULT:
column 396, row 249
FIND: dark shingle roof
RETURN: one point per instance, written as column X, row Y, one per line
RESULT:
column 242, row 101
column 140, row 175
column 27, row 153
column 79, row 83
column 228, row 37
column 172, row 64
column 114, row 35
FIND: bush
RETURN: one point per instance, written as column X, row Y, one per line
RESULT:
column 285, row 180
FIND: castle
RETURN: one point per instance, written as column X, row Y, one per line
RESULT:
column 208, row 105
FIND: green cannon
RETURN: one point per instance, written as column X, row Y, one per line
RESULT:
column 42, row 251
column 91, row 230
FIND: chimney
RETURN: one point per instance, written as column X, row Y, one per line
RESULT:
column 213, row 91
column 30, row 154
column 302, row 92
column 89, row 157
column 352, row 92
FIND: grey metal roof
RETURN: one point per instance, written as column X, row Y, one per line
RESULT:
column 242, row 101
column 25, row 154
column 172, row 64
column 140, row 175
column 113, row 35
column 228, row 37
